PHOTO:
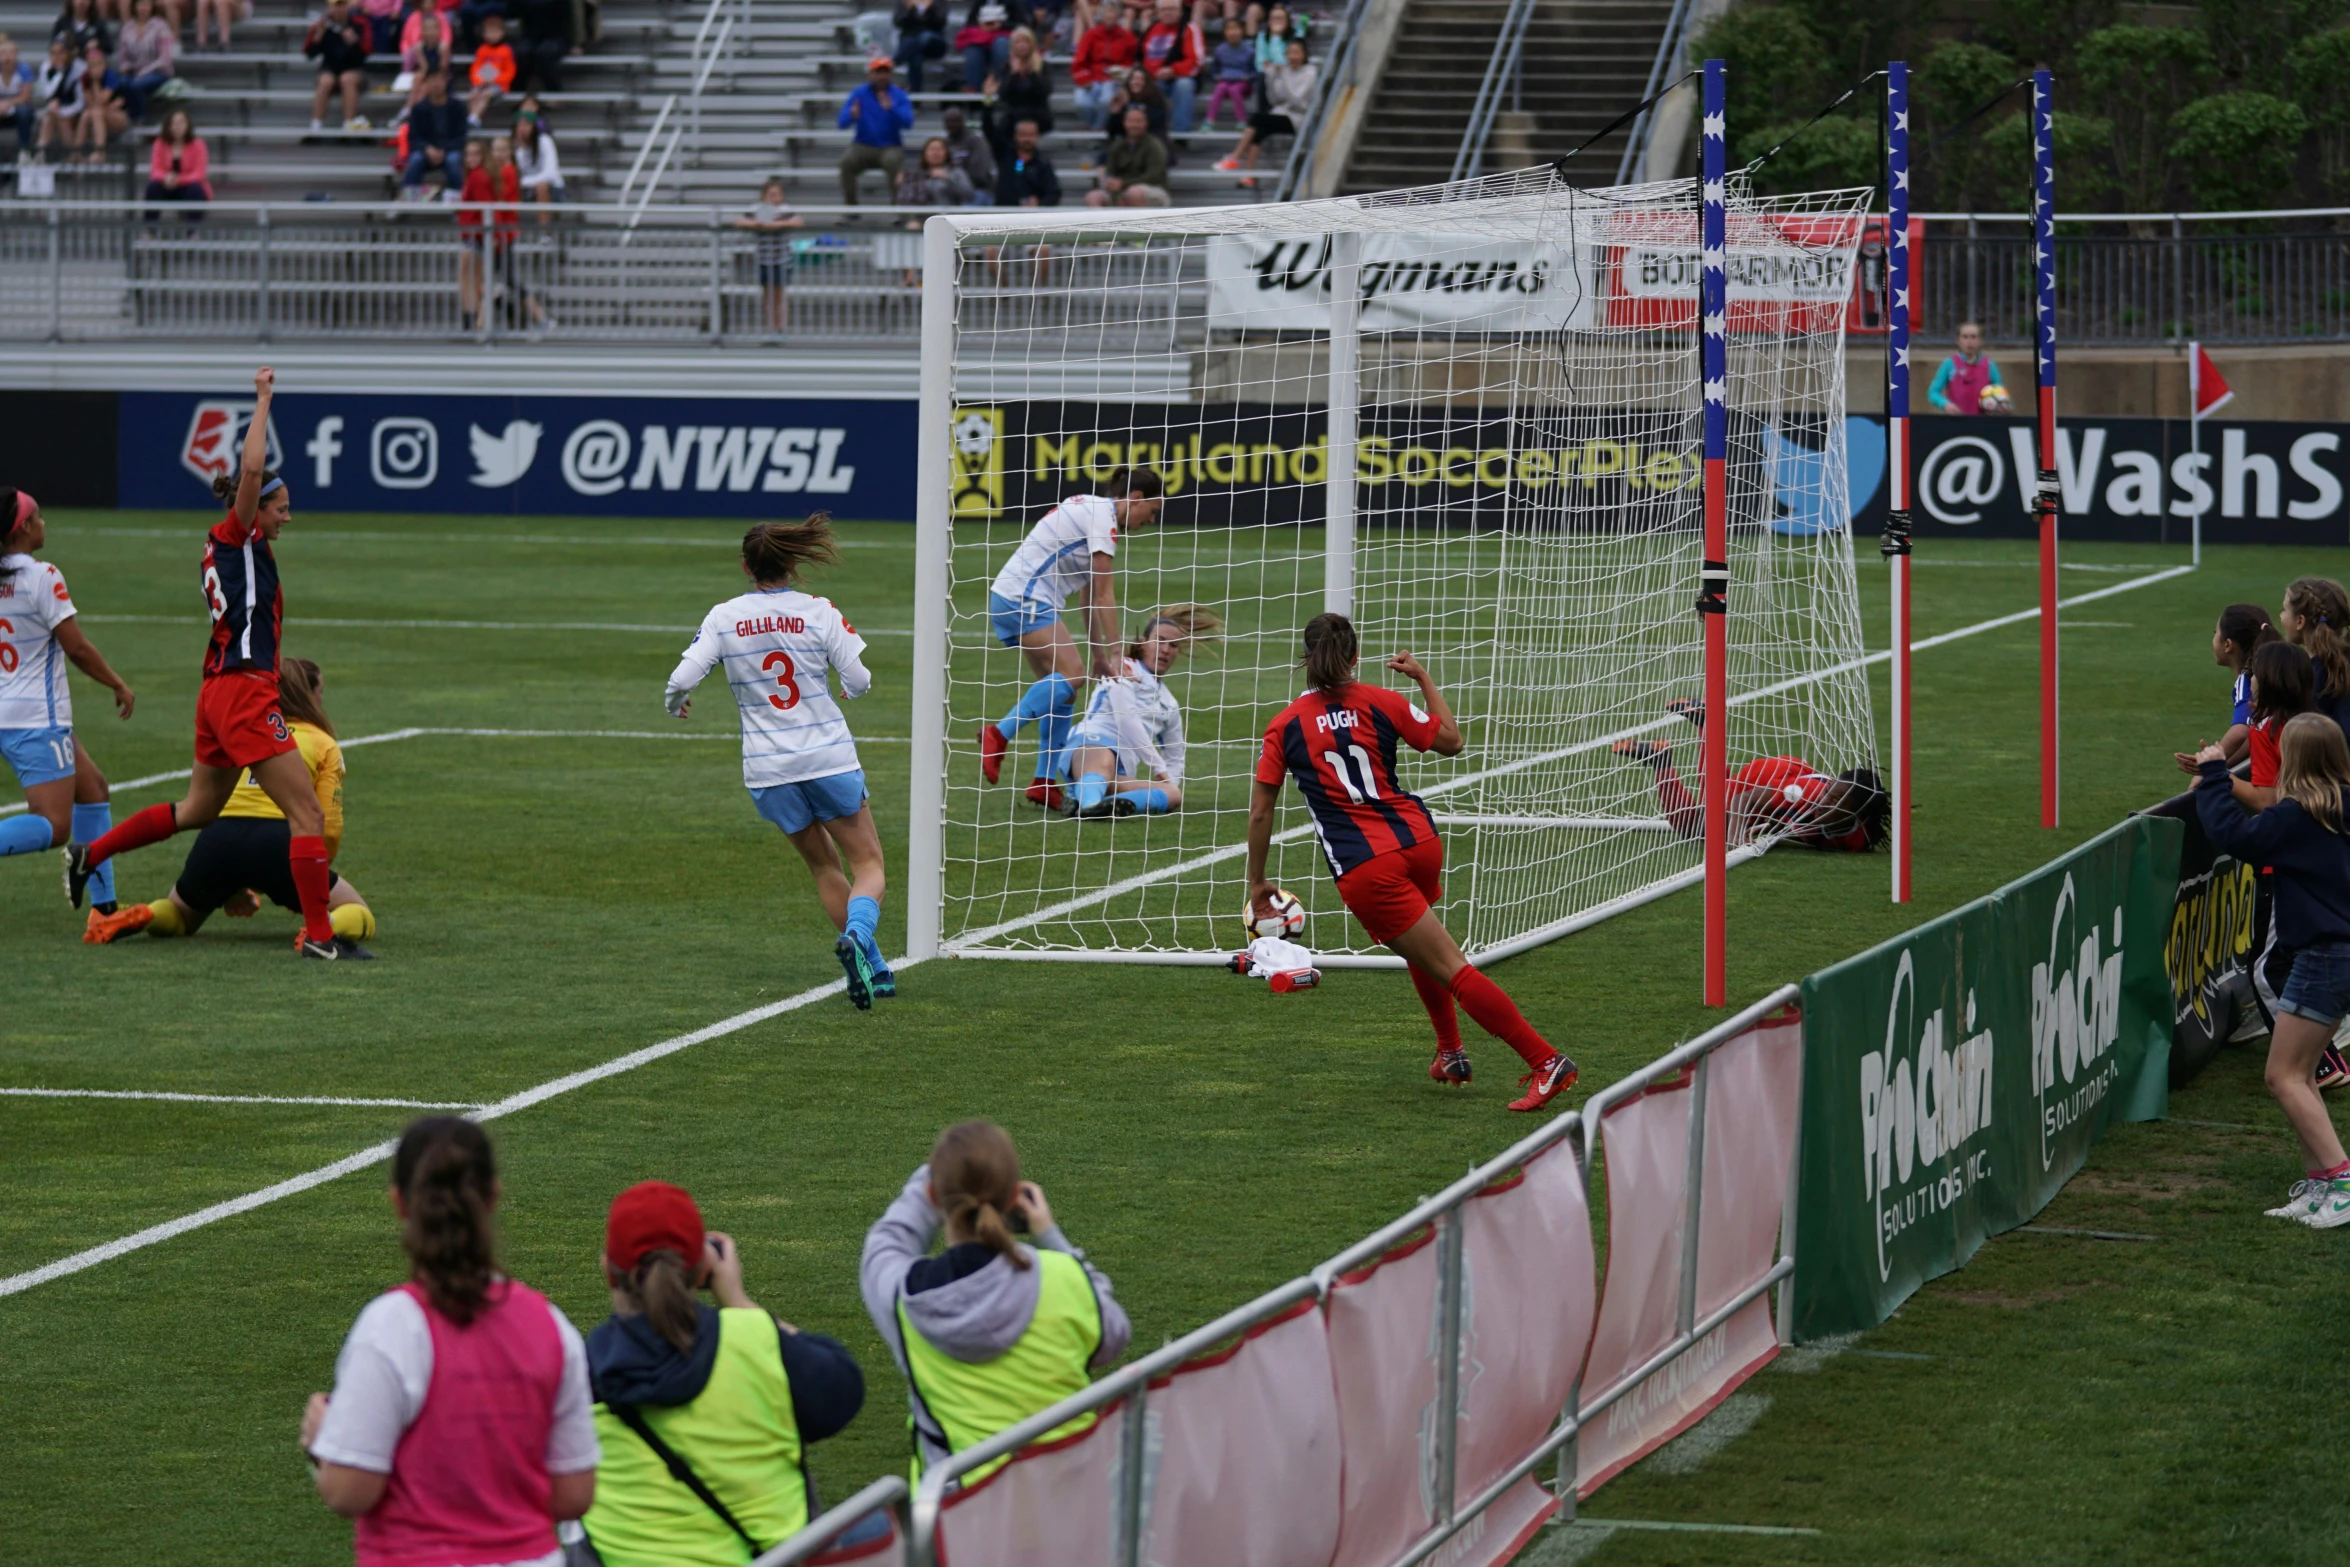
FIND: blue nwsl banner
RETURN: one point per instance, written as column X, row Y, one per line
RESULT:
column 532, row 455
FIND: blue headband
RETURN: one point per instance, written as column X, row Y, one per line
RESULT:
column 274, row 484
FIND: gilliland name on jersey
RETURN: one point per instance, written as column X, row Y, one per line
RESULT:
column 780, row 625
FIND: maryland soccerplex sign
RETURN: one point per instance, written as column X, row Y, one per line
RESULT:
column 1956, row 1078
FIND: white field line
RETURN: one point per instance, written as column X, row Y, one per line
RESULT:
column 234, row 1099
column 1232, row 851
column 450, row 625
column 331, row 535
column 367, row 1157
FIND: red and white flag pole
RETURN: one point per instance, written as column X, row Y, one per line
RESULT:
column 2207, row 392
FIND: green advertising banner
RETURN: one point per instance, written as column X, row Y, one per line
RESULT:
column 1956, row 1077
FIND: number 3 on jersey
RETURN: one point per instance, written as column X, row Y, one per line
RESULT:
column 1336, row 761
column 214, row 601
column 791, row 697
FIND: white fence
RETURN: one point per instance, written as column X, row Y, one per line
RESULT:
column 1401, row 1402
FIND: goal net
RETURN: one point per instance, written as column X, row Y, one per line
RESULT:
column 1466, row 415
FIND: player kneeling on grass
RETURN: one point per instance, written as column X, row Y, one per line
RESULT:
column 1126, row 754
column 1338, row 741
column 1780, row 797
column 781, row 646
column 241, row 857
column 2301, row 836
column 994, row 1328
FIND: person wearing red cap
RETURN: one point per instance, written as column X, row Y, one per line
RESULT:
column 877, row 116
column 459, row 1430
column 726, row 1394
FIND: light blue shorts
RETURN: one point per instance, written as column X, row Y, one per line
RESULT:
column 795, row 807
column 1013, row 618
column 37, row 756
column 1081, row 739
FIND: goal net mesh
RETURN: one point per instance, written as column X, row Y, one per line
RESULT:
column 1527, row 522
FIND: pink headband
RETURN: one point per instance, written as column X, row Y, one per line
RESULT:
column 26, row 507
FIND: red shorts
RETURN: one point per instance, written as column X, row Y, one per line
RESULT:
column 237, row 721
column 1388, row 893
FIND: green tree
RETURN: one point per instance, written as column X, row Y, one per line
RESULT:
column 2248, row 35
column 1841, row 150
column 1948, row 168
column 2238, row 149
column 1774, row 62
column 2135, row 79
column 1856, row 37
column 2320, row 70
column 2048, row 32
column 2080, row 142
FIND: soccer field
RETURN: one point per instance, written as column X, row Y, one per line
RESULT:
column 582, row 879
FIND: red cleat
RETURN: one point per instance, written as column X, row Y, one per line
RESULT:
column 104, row 929
column 1546, row 1082
column 1046, row 793
column 1450, row 1066
column 992, row 746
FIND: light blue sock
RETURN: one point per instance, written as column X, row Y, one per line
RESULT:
column 1091, row 789
column 864, row 919
column 1052, row 732
column 1045, row 696
column 26, row 834
column 89, row 825
column 1150, row 801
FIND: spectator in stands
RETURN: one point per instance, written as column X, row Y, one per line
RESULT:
column 469, row 14
column 412, row 26
column 973, row 153
column 505, row 188
column 384, row 19
column 877, row 116
column 102, row 112
column 493, row 69
column 59, row 90
column 1960, row 386
column 933, row 180
column 1023, row 92
column 460, row 1427
column 1171, row 53
column 18, row 95
column 474, row 190
column 922, row 35
column 426, row 52
column 546, row 41
column 772, row 220
column 436, row 136
column 1274, row 38
column 985, row 39
column 219, row 13
column 150, row 50
column 80, row 27
column 1105, row 51
column 1134, row 171
column 534, row 157
column 179, row 165
column 731, row 1393
column 339, row 42
column 994, row 1328
column 1289, row 102
column 1026, row 177
column 1137, row 88
column 1235, row 64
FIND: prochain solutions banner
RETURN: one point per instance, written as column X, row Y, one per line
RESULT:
column 1956, row 1078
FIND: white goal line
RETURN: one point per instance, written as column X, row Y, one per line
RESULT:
column 347, row 622
column 237, row 1099
column 306, row 535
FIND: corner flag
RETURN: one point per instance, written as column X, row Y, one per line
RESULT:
column 2207, row 390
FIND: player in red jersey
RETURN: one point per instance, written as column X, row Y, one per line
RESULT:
column 1773, row 796
column 1338, row 741
column 238, row 726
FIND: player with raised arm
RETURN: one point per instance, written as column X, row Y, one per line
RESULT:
column 1338, row 741
column 239, row 730
column 1782, row 797
column 1072, row 550
column 780, row 646
column 64, row 793
column 1126, row 754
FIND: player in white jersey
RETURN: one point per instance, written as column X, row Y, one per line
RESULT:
column 781, row 647
column 65, row 794
column 1073, row 550
column 1126, row 754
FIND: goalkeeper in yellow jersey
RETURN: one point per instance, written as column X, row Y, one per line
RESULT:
column 241, row 858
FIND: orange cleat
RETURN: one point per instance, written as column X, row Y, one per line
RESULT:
column 1546, row 1082
column 1651, row 751
column 1046, row 793
column 104, row 929
column 1450, row 1066
column 992, row 746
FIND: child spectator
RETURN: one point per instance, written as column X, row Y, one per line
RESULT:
column 1273, row 39
column 922, row 35
column 2314, row 618
column 492, row 72
column 505, row 188
column 972, row 154
column 150, row 48
column 546, row 41
column 436, row 136
column 340, row 43
column 103, row 114
column 1105, row 51
column 1134, row 171
column 772, row 221
column 178, row 164
column 18, row 101
column 1963, row 384
column 476, row 191
column 1026, row 177
column 1171, row 53
column 933, row 180
column 1289, row 101
column 59, row 92
column 412, row 29
column 534, row 157
column 877, row 116
column 460, row 1428
column 80, row 27
column 427, row 51
column 1235, row 64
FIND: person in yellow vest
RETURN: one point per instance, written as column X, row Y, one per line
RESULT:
column 992, row 1329
column 241, row 858
column 704, row 1412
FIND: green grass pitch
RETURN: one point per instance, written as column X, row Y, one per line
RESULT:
column 550, row 903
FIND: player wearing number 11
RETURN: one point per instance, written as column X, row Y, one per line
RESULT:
column 781, row 646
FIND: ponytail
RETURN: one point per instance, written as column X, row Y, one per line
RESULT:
column 1329, row 660
column 1194, row 625
column 2324, row 612
column 448, row 1180
column 663, row 1289
column 2246, row 625
column 299, row 694
column 776, row 551
column 8, row 526
column 976, row 1172
column 224, row 485
column 2280, row 681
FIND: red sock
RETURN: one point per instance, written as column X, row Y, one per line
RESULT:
column 2334, row 1174
column 1681, row 809
column 1438, row 1001
column 152, row 825
column 306, row 857
column 1498, row 1015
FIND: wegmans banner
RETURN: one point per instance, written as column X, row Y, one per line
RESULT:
column 1956, row 1077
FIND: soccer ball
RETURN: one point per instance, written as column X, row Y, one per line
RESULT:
column 1994, row 400
column 1282, row 916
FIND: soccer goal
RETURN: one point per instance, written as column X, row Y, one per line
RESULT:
column 1468, row 416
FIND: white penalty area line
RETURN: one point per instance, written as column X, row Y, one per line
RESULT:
column 328, row 535
column 450, row 625
column 366, row 1158
column 236, row 1099
column 1685, row 1528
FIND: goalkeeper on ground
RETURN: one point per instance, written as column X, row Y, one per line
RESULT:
column 1126, row 754
column 1780, row 797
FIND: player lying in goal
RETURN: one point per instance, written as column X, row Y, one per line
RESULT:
column 1072, row 550
column 1126, row 753
column 1780, row 797
column 1338, row 741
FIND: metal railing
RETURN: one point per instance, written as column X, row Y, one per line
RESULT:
column 1668, row 58
column 1503, row 74
column 706, row 50
column 1337, row 84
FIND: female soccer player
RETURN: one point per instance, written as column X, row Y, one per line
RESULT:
column 1073, row 549
column 779, row 645
column 1773, row 796
column 64, row 793
column 238, row 726
column 1132, row 726
column 1338, row 741
column 241, row 858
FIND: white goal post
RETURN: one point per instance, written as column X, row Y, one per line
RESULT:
column 1465, row 415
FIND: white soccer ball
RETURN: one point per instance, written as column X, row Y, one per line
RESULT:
column 1282, row 916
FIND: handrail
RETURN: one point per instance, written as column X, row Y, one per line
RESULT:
column 1668, row 54
column 705, row 59
column 1508, row 51
column 890, row 1491
column 651, row 136
column 1299, row 166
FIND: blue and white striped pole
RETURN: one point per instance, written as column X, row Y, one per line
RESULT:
column 2044, row 355
column 1714, row 577
column 1897, row 541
